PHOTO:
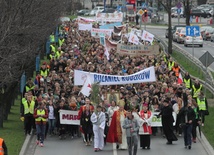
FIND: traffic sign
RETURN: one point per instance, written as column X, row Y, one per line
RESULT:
column 179, row 11
column 193, row 31
column 206, row 59
column 179, row 5
column 140, row 12
column 144, row 5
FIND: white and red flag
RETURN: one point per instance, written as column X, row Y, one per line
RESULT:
column 133, row 39
column 180, row 79
column 86, row 88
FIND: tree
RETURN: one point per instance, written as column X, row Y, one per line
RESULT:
column 187, row 10
column 25, row 25
column 167, row 4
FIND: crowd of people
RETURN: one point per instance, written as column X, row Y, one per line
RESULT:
column 116, row 121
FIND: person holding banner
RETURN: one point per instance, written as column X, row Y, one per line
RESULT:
column 145, row 127
column 167, row 121
column 98, row 119
column 86, row 125
column 61, row 127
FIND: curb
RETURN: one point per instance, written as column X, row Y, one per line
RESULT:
column 206, row 145
column 26, row 144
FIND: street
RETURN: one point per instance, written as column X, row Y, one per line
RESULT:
column 76, row 146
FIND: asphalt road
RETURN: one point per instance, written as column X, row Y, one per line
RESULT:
column 197, row 52
column 76, row 147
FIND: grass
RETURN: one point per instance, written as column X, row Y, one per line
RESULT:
column 208, row 129
column 13, row 132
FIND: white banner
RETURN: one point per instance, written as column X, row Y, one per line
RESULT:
column 101, row 32
column 157, row 121
column 69, row 117
column 85, row 27
column 146, row 75
column 147, row 36
column 110, row 17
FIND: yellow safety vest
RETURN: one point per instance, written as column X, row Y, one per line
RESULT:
column 29, row 88
column 53, row 48
column 170, row 65
column 1, row 148
column 61, row 42
column 44, row 73
column 52, row 38
column 201, row 104
column 39, row 112
column 187, row 83
column 28, row 108
column 196, row 91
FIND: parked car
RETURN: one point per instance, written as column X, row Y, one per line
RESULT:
column 188, row 40
column 203, row 28
column 96, row 10
column 212, row 37
column 173, row 30
column 207, row 33
column 109, row 10
column 83, row 12
column 199, row 13
column 181, row 35
column 174, row 13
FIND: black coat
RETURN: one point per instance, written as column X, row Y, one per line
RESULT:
column 86, row 123
column 187, row 111
column 167, row 123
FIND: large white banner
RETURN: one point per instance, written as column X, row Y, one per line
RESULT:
column 69, row 117
column 110, row 17
column 146, row 75
column 85, row 27
column 101, row 32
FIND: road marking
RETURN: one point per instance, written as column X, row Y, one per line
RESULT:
column 114, row 149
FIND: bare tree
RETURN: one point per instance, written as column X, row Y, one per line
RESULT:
column 25, row 25
column 187, row 10
column 167, row 4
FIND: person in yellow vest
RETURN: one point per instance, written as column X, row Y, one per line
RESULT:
column 52, row 38
column 52, row 48
column 170, row 64
column 40, row 115
column 30, row 85
column 187, row 81
column 27, row 110
column 44, row 70
column 196, row 89
column 61, row 41
column 203, row 106
column 3, row 147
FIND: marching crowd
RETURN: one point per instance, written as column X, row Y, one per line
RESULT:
column 112, row 120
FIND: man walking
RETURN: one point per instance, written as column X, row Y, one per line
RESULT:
column 132, row 126
column 187, row 117
column 98, row 119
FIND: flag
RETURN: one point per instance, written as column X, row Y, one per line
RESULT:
column 86, row 88
column 180, row 79
column 106, row 53
column 133, row 39
column 147, row 36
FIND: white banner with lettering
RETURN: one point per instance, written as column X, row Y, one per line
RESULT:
column 110, row 17
column 101, row 32
column 85, row 27
column 145, row 75
column 69, row 117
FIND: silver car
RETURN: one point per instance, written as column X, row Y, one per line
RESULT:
column 181, row 36
column 193, row 41
column 175, row 34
